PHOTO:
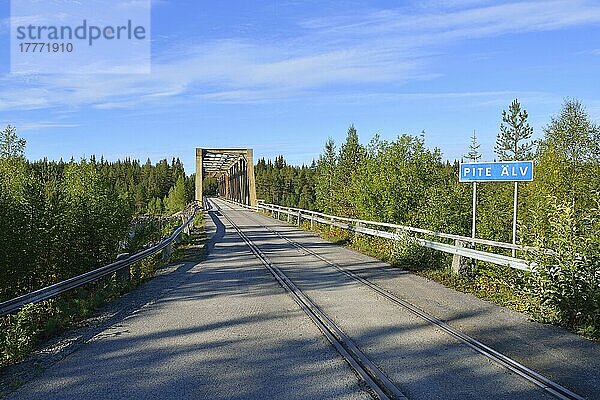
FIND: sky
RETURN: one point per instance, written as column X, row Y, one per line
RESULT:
column 282, row 77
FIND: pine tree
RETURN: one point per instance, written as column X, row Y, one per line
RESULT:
column 514, row 140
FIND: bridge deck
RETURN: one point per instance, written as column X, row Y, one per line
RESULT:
column 226, row 329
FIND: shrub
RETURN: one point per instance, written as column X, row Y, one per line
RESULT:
column 568, row 278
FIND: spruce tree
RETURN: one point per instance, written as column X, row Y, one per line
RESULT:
column 473, row 154
column 325, row 178
column 350, row 157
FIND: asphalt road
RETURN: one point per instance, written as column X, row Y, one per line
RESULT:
column 563, row 357
column 225, row 329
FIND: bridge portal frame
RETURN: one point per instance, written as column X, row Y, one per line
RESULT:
column 233, row 168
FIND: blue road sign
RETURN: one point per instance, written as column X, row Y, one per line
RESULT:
column 505, row 171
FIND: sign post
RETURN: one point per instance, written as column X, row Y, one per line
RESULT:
column 474, row 211
column 504, row 171
column 514, row 237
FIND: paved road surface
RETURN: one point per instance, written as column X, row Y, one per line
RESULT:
column 227, row 330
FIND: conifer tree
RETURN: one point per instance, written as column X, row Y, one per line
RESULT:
column 325, row 178
column 350, row 157
column 514, row 140
column 473, row 154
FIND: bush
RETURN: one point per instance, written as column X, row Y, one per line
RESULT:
column 408, row 253
column 20, row 332
column 568, row 278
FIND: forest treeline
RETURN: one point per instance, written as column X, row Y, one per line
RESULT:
column 60, row 219
column 287, row 185
column 403, row 181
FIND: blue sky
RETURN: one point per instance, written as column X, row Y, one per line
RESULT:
column 283, row 76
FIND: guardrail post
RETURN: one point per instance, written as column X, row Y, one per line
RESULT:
column 289, row 216
column 166, row 252
column 460, row 264
column 299, row 216
column 312, row 220
column 186, row 228
column 122, row 275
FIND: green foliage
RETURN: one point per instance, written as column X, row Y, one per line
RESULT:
column 568, row 279
column 513, row 141
column 325, row 179
column 403, row 182
column 155, row 207
column 144, row 230
column 409, row 254
column 11, row 146
column 393, row 178
column 568, row 171
column 199, row 220
column 58, row 220
column 143, row 184
column 349, row 160
column 495, row 211
column 279, row 183
column 210, row 186
column 563, row 215
column 20, row 332
column 572, row 136
column 474, row 154
column 177, row 198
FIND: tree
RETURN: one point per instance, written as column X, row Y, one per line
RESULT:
column 350, row 156
column 325, row 178
column 473, row 154
column 10, row 144
column 210, row 186
column 177, row 198
column 572, row 136
column 564, row 215
column 513, row 141
column 568, row 159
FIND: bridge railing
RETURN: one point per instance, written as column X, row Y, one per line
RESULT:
column 59, row 288
column 462, row 246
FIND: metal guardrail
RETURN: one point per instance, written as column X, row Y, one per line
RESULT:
column 56, row 289
column 366, row 227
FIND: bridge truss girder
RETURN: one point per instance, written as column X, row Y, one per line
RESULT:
column 233, row 169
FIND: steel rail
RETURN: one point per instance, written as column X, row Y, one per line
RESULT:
column 537, row 379
column 364, row 367
column 10, row 306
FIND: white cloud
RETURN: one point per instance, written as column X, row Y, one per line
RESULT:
column 40, row 125
column 380, row 47
column 483, row 21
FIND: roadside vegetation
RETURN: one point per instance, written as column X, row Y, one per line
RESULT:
column 62, row 219
column 403, row 181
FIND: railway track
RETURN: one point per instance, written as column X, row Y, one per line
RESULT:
column 380, row 385
column 373, row 376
